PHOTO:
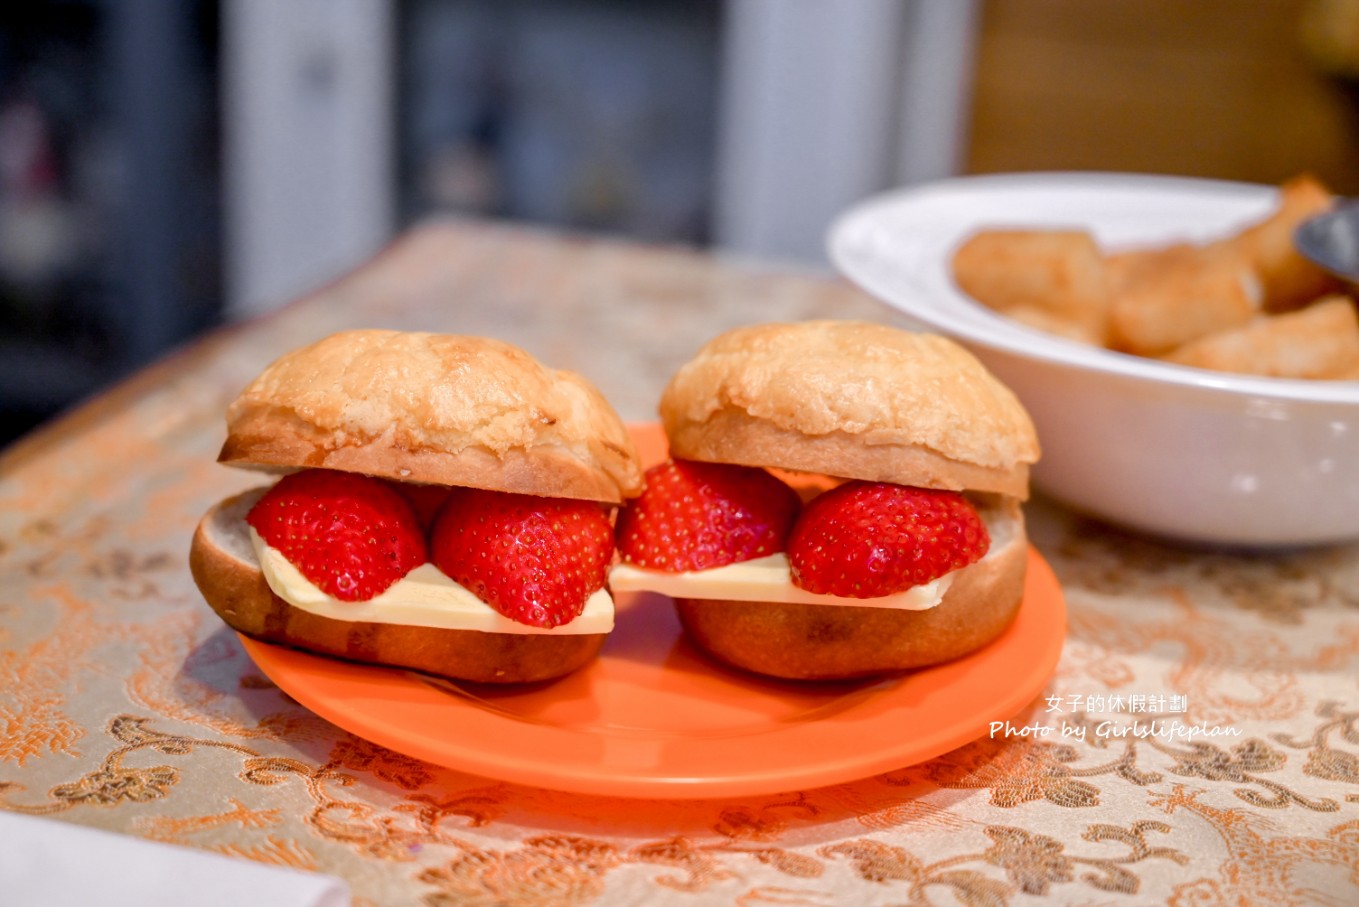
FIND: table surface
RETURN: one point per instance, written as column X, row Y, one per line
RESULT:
column 126, row 705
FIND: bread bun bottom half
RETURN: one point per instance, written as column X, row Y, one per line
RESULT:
column 222, row 561
column 842, row 642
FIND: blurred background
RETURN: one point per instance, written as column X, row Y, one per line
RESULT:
column 167, row 166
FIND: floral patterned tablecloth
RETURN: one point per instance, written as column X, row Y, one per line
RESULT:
column 1199, row 743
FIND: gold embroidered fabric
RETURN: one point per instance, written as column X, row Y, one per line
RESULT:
column 1199, row 744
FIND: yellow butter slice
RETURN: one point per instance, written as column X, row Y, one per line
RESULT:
column 763, row 579
column 425, row 597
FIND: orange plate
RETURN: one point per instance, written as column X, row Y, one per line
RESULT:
column 652, row 717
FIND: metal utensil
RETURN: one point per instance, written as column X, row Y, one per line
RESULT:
column 1331, row 240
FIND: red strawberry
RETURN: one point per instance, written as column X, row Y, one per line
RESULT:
column 694, row 516
column 869, row 539
column 425, row 499
column 535, row 560
column 351, row 535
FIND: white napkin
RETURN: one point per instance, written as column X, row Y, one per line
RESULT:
column 47, row 863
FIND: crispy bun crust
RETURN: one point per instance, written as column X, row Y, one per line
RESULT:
column 434, row 408
column 851, row 399
column 223, row 565
column 835, row 642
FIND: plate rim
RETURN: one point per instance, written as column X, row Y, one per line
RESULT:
column 973, row 323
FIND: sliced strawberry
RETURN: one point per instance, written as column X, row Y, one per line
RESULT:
column 869, row 539
column 695, row 516
column 351, row 535
column 535, row 560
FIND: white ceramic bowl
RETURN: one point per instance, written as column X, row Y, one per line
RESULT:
column 1179, row 452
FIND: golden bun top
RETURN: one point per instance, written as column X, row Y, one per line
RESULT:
column 434, row 408
column 851, row 399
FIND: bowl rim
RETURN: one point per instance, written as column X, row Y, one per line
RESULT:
column 967, row 320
